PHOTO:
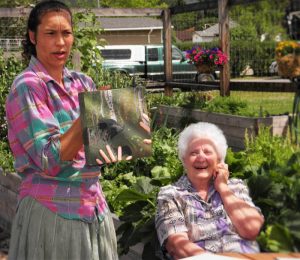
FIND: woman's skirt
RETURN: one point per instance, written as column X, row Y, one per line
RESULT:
column 38, row 233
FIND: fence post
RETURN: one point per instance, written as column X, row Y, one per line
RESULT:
column 223, row 10
column 167, row 50
column 76, row 61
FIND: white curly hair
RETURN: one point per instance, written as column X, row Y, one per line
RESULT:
column 202, row 130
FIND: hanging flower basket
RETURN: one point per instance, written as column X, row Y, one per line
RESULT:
column 206, row 60
column 289, row 66
column 288, row 59
column 204, row 68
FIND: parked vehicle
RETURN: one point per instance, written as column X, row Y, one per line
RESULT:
column 147, row 61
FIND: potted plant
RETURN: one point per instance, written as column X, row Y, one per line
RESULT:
column 206, row 60
column 288, row 58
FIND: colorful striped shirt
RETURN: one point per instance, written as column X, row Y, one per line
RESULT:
column 181, row 209
column 38, row 112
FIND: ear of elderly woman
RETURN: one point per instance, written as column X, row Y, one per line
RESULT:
column 205, row 210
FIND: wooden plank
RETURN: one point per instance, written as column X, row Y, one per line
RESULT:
column 261, row 256
column 230, row 120
column 212, row 117
column 263, row 86
column 124, row 11
column 244, row 2
column 206, row 5
column 8, row 196
column 7, row 212
column 266, row 256
column 195, row 86
column 9, row 184
column 10, row 180
column 235, row 143
column 234, row 127
column 24, row 11
column 234, row 131
column 234, row 255
column 295, row 254
column 5, row 225
column 8, row 205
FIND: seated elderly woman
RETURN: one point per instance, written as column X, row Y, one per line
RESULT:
column 205, row 210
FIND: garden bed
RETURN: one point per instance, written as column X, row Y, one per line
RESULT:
column 234, row 127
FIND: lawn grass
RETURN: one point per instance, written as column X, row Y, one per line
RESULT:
column 272, row 103
column 244, row 103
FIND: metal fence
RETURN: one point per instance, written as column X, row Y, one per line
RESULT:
column 10, row 44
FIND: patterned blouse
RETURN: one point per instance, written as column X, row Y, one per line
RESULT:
column 181, row 209
column 38, row 112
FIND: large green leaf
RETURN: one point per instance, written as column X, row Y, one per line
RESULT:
column 131, row 195
column 279, row 238
column 143, row 185
column 291, row 220
column 259, row 186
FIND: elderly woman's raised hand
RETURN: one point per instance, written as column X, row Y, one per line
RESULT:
column 221, row 176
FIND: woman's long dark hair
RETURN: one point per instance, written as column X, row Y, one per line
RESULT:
column 34, row 20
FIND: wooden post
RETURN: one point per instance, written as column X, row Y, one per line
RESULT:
column 167, row 50
column 223, row 9
column 76, row 61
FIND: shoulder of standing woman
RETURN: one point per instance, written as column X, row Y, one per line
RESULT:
column 86, row 80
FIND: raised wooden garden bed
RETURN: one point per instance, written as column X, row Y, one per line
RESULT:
column 234, row 127
column 9, row 184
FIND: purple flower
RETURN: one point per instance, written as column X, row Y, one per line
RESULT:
column 212, row 57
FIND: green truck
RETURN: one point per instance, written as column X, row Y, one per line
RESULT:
column 147, row 61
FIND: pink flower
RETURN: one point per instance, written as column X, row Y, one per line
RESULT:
column 212, row 57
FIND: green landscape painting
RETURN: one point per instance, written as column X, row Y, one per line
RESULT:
column 116, row 118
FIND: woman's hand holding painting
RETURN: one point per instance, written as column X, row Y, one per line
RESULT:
column 145, row 125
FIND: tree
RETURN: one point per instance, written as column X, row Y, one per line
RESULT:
column 133, row 4
column 261, row 18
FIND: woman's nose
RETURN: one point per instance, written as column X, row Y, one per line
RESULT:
column 60, row 39
column 200, row 155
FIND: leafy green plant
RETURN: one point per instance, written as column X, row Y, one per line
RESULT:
column 135, row 186
column 227, row 105
column 6, row 158
column 9, row 69
column 271, row 167
column 87, row 30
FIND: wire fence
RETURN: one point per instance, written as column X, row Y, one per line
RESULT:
column 255, row 29
column 254, row 32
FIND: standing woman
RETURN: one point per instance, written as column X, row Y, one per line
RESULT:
column 62, row 213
